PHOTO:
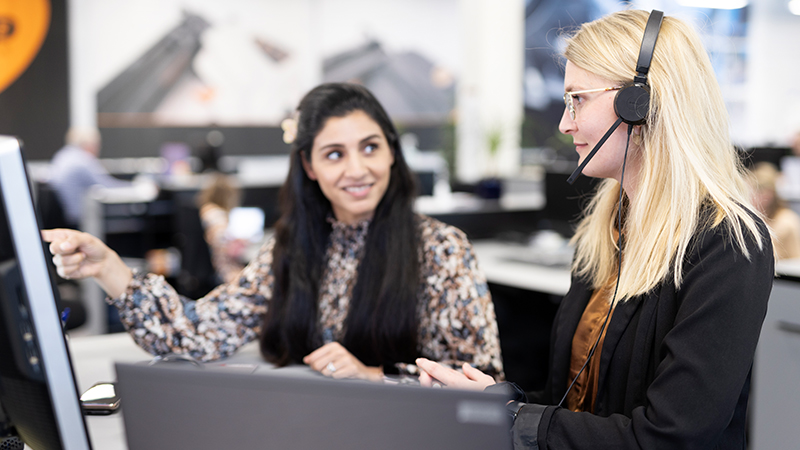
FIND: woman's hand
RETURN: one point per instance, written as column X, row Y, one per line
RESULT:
column 472, row 378
column 80, row 255
column 333, row 360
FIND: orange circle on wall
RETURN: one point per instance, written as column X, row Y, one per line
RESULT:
column 23, row 27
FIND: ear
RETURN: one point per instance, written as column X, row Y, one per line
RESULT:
column 307, row 166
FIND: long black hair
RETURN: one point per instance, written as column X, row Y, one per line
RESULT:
column 382, row 325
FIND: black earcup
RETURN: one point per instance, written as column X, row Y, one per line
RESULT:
column 632, row 103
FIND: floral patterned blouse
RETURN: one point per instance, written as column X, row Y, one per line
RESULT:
column 457, row 320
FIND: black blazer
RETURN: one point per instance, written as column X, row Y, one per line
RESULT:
column 675, row 365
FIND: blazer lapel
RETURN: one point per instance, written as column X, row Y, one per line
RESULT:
column 620, row 319
column 570, row 311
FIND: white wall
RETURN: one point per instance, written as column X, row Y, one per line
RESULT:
column 774, row 73
column 490, row 89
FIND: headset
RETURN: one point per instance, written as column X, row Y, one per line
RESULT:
column 631, row 104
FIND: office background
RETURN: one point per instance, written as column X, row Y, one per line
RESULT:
column 475, row 81
column 451, row 71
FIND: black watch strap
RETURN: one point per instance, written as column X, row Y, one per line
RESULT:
column 513, row 408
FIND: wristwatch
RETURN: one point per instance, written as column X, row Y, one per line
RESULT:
column 513, row 408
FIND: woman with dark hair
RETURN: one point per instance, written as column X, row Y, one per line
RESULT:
column 353, row 283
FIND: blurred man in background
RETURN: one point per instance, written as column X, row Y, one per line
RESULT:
column 75, row 168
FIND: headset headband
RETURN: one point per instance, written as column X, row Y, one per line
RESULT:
column 648, row 46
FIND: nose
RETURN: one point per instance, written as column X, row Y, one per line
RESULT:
column 356, row 165
column 566, row 125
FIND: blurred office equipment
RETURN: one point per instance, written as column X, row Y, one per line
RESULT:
column 51, row 215
column 142, row 86
column 754, row 155
column 131, row 221
column 775, row 398
column 564, row 202
column 408, row 85
column 197, row 274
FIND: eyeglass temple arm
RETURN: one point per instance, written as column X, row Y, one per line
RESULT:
column 589, row 157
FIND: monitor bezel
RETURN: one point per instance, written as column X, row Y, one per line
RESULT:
column 47, row 328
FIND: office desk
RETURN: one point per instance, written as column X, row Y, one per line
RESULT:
column 93, row 359
column 775, row 399
column 494, row 258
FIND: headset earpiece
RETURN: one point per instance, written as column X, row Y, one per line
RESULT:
column 632, row 103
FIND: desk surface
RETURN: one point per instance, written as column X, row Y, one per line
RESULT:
column 494, row 258
column 788, row 267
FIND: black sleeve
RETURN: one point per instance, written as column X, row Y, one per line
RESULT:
column 707, row 356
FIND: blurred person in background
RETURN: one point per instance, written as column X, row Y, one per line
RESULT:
column 216, row 201
column 75, row 168
column 784, row 222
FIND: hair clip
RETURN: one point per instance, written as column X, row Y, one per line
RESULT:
column 289, row 127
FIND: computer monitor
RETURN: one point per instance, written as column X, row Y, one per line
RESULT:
column 564, row 202
column 38, row 392
column 754, row 155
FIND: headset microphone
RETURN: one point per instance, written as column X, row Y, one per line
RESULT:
column 589, row 157
column 632, row 102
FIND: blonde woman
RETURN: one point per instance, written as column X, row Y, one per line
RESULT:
column 653, row 349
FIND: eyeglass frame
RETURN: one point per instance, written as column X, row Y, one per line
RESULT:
column 571, row 106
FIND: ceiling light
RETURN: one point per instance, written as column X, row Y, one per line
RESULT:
column 794, row 7
column 717, row 4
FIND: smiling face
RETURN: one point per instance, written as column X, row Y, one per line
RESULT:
column 352, row 161
column 594, row 116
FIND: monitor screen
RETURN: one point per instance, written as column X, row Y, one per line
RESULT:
column 38, row 393
column 564, row 202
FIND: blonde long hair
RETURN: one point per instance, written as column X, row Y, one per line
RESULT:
column 688, row 160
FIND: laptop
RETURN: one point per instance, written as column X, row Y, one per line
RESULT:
column 181, row 406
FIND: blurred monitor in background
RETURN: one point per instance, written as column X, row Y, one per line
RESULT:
column 564, row 202
column 754, row 155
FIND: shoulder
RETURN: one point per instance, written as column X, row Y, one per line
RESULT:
column 720, row 242
column 435, row 233
column 444, row 248
column 264, row 256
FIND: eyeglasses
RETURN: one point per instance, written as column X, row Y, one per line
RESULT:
column 568, row 97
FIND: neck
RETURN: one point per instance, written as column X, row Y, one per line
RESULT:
column 630, row 183
column 351, row 219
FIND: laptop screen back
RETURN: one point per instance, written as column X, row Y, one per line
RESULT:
column 181, row 407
